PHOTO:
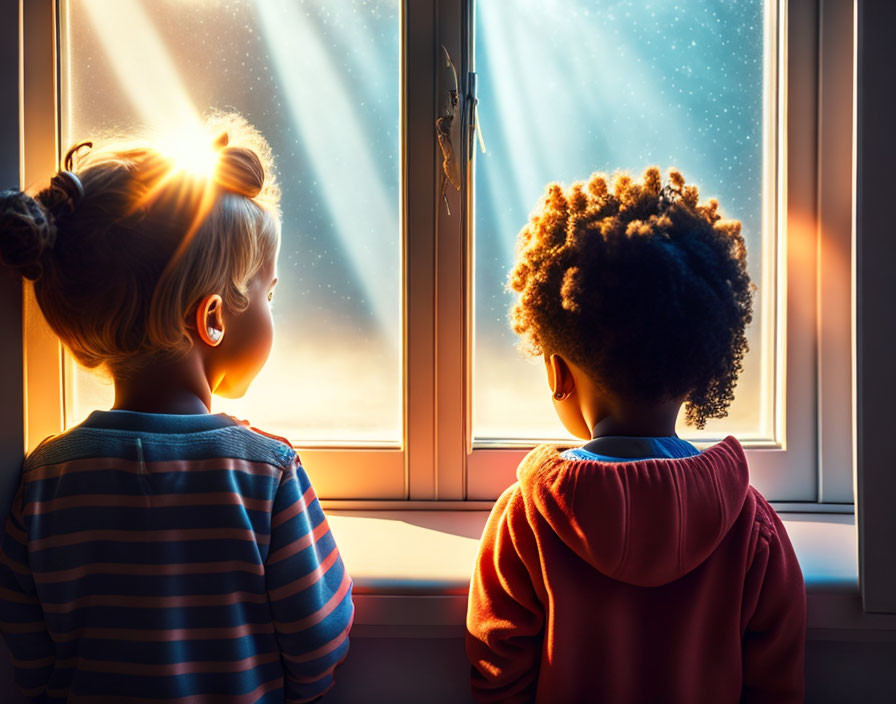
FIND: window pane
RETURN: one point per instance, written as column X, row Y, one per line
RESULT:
column 569, row 87
column 320, row 79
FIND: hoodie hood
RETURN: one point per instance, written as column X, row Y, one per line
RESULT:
column 645, row 522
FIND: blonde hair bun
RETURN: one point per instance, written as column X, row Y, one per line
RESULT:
column 240, row 171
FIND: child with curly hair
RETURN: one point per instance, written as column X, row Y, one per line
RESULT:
column 635, row 568
column 158, row 552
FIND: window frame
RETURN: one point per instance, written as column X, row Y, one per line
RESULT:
column 437, row 465
column 835, row 270
column 339, row 472
column 815, row 318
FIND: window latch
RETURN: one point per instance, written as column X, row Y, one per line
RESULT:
column 445, row 131
column 471, row 103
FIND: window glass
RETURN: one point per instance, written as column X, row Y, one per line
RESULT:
column 569, row 87
column 320, row 80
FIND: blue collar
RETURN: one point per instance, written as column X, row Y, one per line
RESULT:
column 621, row 448
column 158, row 422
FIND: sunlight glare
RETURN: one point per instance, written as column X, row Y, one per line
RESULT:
column 191, row 149
column 337, row 150
column 150, row 70
column 142, row 63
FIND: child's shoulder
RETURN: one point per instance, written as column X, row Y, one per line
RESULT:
column 61, row 447
column 276, row 444
column 766, row 521
column 218, row 436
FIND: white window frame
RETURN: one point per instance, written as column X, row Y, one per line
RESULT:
column 336, row 471
column 806, row 466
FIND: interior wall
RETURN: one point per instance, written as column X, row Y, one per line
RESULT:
column 11, row 411
column 875, row 330
column 435, row 671
column 12, row 431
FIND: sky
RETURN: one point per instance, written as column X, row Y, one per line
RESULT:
column 566, row 87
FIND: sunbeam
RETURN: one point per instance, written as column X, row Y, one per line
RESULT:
column 566, row 89
column 330, row 121
column 321, row 81
column 146, row 74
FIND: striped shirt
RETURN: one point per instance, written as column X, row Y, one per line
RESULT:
column 162, row 558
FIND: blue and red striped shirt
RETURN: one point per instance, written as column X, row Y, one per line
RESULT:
column 165, row 558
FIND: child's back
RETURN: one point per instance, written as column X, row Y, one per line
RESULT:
column 169, row 555
column 157, row 552
column 661, row 580
column 635, row 568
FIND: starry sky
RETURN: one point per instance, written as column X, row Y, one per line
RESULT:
column 569, row 87
column 566, row 87
column 320, row 80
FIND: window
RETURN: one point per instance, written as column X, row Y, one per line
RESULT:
column 652, row 83
column 690, row 85
column 394, row 365
column 321, row 81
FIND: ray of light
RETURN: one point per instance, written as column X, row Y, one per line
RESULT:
column 608, row 99
column 541, row 134
column 149, row 78
column 330, row 122
column 146, row 73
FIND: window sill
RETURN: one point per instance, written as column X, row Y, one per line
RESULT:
column 411, row 572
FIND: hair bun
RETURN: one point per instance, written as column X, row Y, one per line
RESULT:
column 27, row 233
column 240, row 171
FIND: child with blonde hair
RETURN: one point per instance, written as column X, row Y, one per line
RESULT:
column 635, row 568
column 158, row 552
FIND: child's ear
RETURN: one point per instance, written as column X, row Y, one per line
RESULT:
column 210, row 320
column 560, row 377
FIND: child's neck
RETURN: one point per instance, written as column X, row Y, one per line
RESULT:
column 640, row 420
column 179, row 387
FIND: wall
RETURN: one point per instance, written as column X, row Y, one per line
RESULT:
column 11, row 410
column 410, row 671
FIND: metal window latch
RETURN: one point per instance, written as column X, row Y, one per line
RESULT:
column 445, row 131
column 474, row 127
column 449, row 129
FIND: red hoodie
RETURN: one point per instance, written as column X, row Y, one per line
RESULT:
column 661, row 580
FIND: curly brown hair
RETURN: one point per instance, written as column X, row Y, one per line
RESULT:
column 641, row 286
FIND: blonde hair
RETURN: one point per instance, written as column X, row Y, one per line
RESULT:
column 120, row 267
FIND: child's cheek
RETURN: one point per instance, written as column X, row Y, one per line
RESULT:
column 571, row 416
